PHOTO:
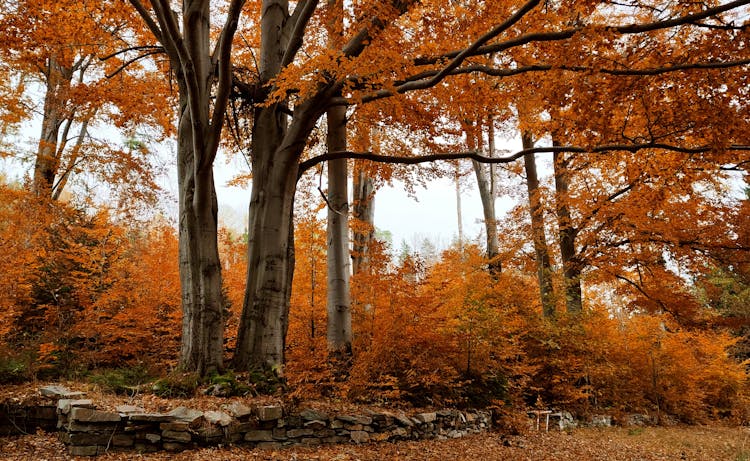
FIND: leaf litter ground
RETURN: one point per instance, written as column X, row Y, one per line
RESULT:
column 699, row 443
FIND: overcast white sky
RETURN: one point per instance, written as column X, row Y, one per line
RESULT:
column 431, row 215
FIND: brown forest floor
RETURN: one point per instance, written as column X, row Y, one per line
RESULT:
column 610, row 444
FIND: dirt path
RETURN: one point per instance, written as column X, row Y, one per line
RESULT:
column 699, row 443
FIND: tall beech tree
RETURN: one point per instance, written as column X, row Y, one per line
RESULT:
column 339, row 327
column 204, row 78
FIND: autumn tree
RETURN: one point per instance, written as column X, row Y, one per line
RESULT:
column 68, row 53
column 204, row 77
column 339, row 262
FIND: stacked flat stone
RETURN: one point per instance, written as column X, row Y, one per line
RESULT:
column 88, row 431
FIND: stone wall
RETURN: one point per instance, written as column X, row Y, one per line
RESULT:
column 88, row 431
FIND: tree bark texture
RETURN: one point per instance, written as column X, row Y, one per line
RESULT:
column 203, row 324
column 536, row 211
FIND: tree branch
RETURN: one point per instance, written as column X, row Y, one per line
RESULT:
column 150, row 22
column 497, row 30
column 474, row 155
column 300, row 18
column 124, row 65
column 568, row 33
column 224, row 88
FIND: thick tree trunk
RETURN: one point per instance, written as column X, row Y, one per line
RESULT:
column 270, row 259
column 339, row 332
column 567, row 237
column 536, row 211
column 363, row 210
column 263, row 324
column 202, row 343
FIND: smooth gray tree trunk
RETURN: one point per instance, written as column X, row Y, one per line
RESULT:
column 338, row 305
column 536, row 211
column 202, row 345
column 339, row 331
column 204, row 81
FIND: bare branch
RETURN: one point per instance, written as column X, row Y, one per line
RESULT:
column 474, row 155
column 497, row 30
column 124, row 65
column 129, row 49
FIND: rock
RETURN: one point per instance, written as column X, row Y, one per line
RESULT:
column 309, row 414
column 175, row 426
column 601, row 420
column 239, row 410
column 259, row 436
column 564, row 420
column 637, row 419
column 269, row 412
column 185, row 414
column 153, row 438
column 65, row 405
column 399, row 432
column 426, row 417
column 295, row 433
column 83, row 451
column 88, row 438
column 219, row 390
column 59, row 392
column 74, row 426
column 315, row 424
column 176, row 436
column 210, row 432
column 455, row 434
column 88, row 415
column 127, row 409
column 218, row 417
column 360, row 436
column 279, row 433
column 150, row 417
column 355, row 419
column 122, row 440
column 404, row 420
